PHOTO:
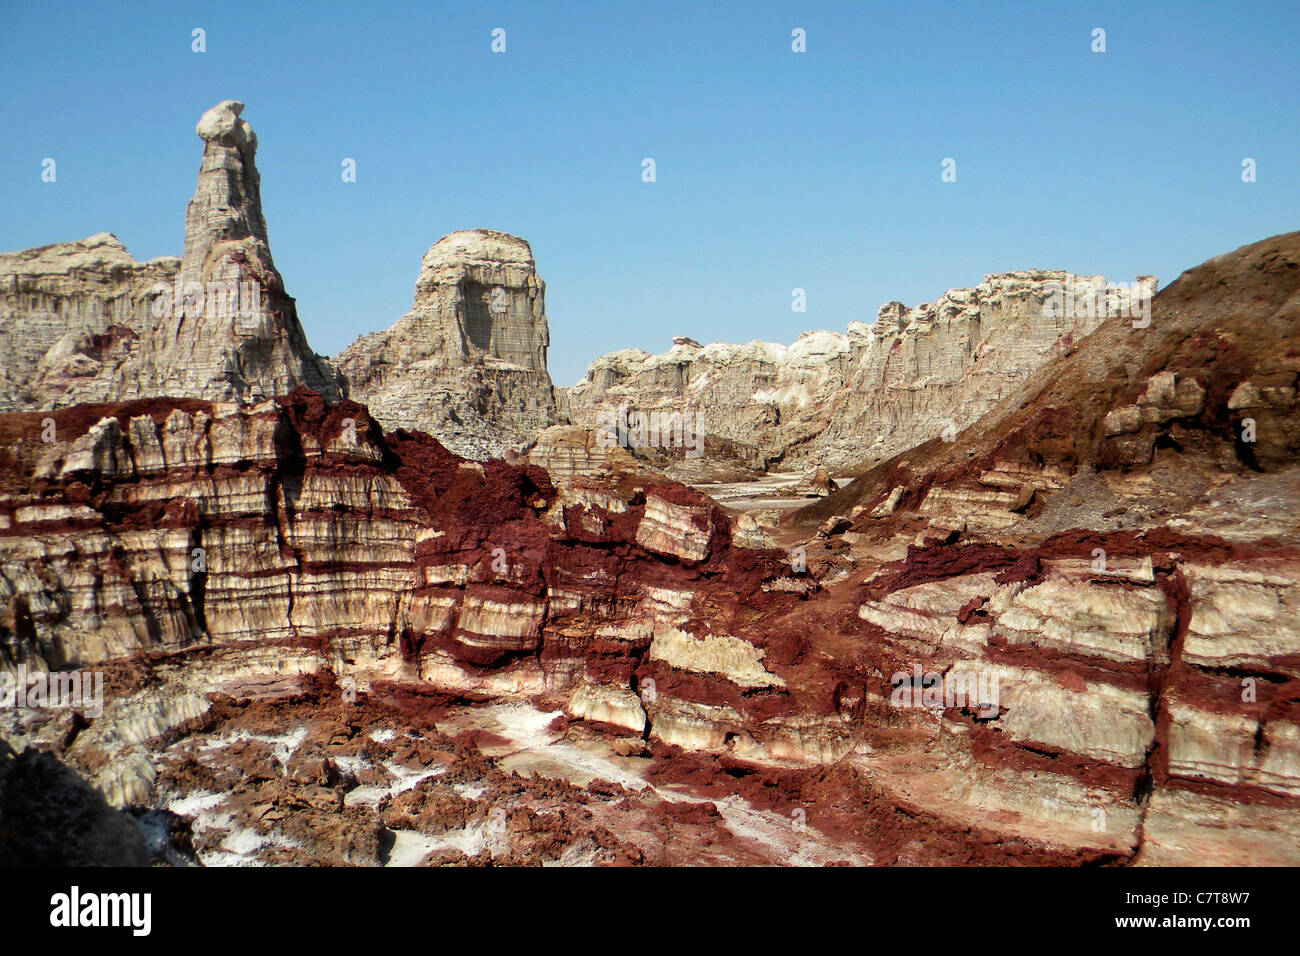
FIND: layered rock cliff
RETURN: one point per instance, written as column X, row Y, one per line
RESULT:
column 84, row 322
column 72, row 316
column 467, row 364
column 1067, row 636
column 203, row 554
column 841, row 400
column 1117, row 544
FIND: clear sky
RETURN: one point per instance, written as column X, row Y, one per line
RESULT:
column 775, row 170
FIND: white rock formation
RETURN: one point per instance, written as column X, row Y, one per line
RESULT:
column 70, row 317
column 467, row 364
column 84, row 322
column 842, row 399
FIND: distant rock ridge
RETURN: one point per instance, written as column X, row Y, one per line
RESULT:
column 71, row 317
column 467, row 364
column 842, row 399
column 85, row 322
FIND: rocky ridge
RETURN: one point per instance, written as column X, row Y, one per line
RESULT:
column 841, row 400
column 1034, row 643
column 1067, row 634
column 1117, row 543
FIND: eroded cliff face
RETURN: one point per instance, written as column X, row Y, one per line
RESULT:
column 1118, row 545
column 203, row 552
column 843, row 400
column 72, row 316
column 84, row 322
column 1034, row 643
column 467, row 364
column 1067, row 634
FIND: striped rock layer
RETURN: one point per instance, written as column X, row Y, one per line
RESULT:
column 1116, row 547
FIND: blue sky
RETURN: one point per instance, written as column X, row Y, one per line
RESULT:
column 775, row 170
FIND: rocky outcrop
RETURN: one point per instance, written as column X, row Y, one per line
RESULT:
column 251, row 545
column 1017, row 646
column 467, row 364
column 569, row 452
column 1068, row 634
column 841, row 400
column 84, row 322
column 224, row 345
column 1115, row 548
column 71, row 319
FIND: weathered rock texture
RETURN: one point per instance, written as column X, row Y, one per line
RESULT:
column 262, row 583
column 71, row 319
column 326, row 643
column 467, row 364
column 84, row 322
column 204, row 350
column 843, row 400
column 1118, row 544
column 262, row 542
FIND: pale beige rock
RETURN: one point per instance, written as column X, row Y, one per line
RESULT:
column 1182, row 827
column 608, row 704
column 1221, row 747
column 1106, row 621
column 84, row 322
column 836, row 400
column 568, row 452
column 692, row 726
column 679, row 530
column 731, row 657
column 467, row 364
column 1243, row 617
column 100, row 450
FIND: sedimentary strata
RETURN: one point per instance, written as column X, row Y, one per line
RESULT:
column 1022, row 645
column 1117, row 545
column 234, row 551
column 1069, row 633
